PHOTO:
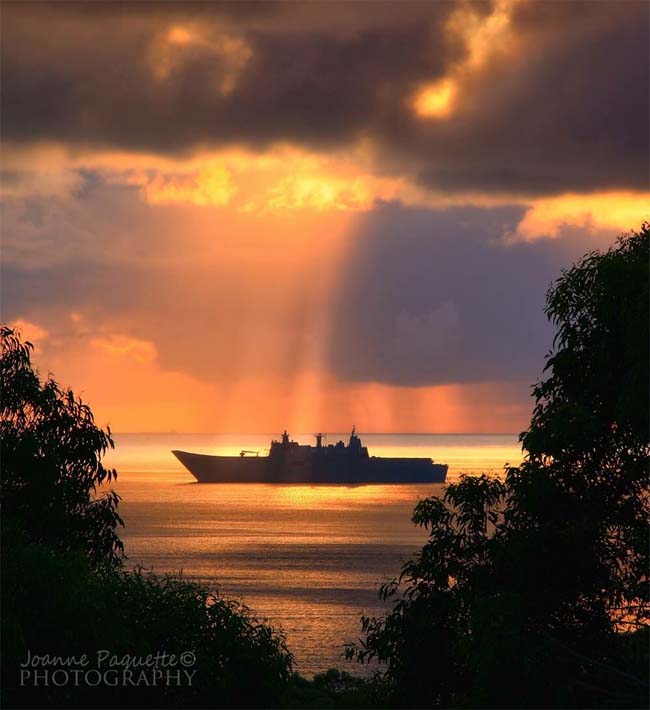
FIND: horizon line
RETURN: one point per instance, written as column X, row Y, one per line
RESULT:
column 301, row 433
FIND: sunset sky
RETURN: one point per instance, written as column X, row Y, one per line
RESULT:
column 249, row 216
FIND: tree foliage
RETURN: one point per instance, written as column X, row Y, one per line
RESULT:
column 51, row 462
column 55, row 603
column 583, row 486
column 65, row 590
column 534, row 591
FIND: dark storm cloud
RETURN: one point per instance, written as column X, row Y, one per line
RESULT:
column 94, row 81
column 568, row 112
column 571, row 114
column 438, row 297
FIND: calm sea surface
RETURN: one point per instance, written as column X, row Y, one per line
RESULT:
column 307, row 558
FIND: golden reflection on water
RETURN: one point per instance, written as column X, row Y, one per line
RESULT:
column 337, row 495
column 308, row 558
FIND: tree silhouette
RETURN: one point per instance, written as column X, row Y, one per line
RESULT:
column 534, row 591
column 65, row 589
column 51, row 462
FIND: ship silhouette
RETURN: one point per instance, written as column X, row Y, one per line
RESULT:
column 291, row 462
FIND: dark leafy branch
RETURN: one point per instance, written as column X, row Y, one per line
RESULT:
column 528, row 589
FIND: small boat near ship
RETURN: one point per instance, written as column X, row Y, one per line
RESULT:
column 291, row 462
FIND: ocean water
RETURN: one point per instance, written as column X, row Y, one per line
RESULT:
column 309, row 559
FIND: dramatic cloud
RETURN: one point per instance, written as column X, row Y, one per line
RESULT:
column 221, row 294
column 401, row 295
column 238, row 216
column 438, row 297
column 568, row 112
column 291, row 84
column 417, row 318
column 519, row 98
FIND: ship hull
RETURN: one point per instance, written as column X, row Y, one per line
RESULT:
column 259, row 469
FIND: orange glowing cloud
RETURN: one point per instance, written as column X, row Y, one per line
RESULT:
column 289, row 180
column 618, row 211
column 124, row 346
column 280, row 180
column 31, row 332
column 482, row 37
column 178, row 44
column 180, row 35
column 123, row 380
column 435, row 100
column 209, row 186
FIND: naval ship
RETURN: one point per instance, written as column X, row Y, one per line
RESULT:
column 291, row 462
